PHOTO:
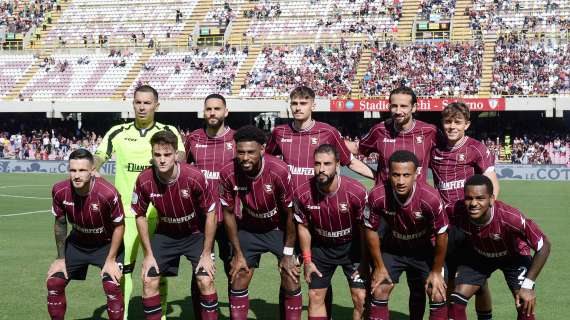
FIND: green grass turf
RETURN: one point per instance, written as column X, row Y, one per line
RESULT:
column 27, row 249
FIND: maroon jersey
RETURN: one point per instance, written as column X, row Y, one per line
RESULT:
column 384, row 139
column 452, row 166
column 92, row 216
column 297, row 148
column 332, row 218
column 210, row 154
column 414, row 224
column 179, row 204
column 261, row 201
column 508, row 233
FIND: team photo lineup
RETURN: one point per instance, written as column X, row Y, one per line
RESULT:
column 233, row 194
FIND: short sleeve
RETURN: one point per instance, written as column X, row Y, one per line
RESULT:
column 484, row 159
column 106, row 148
column 527, row 229
column 301, row 214
column 434, row 206
column 367, row 144
column 57, row 205
column 284, row 189
column 187, row 146
column 205, row 195
column 226, row 191
column 116, row 208
column 140, row 200
column 272, row 147
column 344, row 153
column 372, row 215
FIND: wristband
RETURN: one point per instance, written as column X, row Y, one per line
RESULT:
column 527, row 284
column 288, row 251
column 306, row 257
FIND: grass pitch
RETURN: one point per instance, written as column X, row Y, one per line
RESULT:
column 27, row 249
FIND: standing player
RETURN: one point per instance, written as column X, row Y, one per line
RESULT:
column 296, row 143
column 401, row 132
column 328, row 210
column 180, row 194
column 93, row 207
column 416, row 220
column 209, row 149
column 130, row 144
column 501, row 238
column 454, row 160
column 258, row 185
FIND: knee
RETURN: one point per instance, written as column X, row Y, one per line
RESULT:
column 358, row 298
column 383, row 292
column 150, row 287
column 317, row 296
column 56, row 283
column 204, row 283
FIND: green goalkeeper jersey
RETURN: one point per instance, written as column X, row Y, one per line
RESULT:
column 132, row 150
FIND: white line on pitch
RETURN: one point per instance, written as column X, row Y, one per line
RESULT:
column 23, row 213
column 25, row 185
column 23, row 197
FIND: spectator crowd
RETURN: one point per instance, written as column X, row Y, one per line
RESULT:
column 20, row 16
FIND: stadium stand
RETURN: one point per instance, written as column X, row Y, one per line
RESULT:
column 531, row 66
column 80, row 76
column 12, row 69
column 328, row 70
column 191, row 73
column 434, row 10
column 21, row 16
column 432, row 69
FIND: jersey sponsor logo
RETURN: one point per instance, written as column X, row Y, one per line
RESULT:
column 265, row 215
column 390, row 213
column 301, row 171
column 198, row 145
column 333, row 234
column 268, row 188
column 89, row 230
column 310, row 207
column 238, row 188
column 286, row 140
column 155, row 195
column 419, row 139
column 386, row 140
column 68, row 203
column 185, row 193
column 212, row 175
column 461, row 157
column 343, row 207
column 133, row 167
column 229, row 146
column 495, row 236
column 491, row 254
column 407, row 237
column 130, row 139
column 94, row 207
column 451, row 185
column 314, row 141
column 437, row 158
column 177, row 220
column 418, row 215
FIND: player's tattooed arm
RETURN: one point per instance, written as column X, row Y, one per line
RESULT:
column 60, row 232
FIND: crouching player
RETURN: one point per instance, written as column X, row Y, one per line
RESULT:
column 180, row 193
column 93, row 207
column 501, row 238
column 328, row 211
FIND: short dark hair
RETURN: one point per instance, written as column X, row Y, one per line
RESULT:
column 403, row 156
column 250, row 133
column 454, row 109
column 147, row 88
column 164, row 137
column 302, row 92
column 327, row 148
column 479, row 180
column 215, row 96
column 404, row 90
column 80, row 154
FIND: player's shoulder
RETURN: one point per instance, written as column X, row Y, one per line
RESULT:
column 161, row 126
column 228, row 169
column 323, row 126
column 105, row 186
column 61, row 187
column 508, row 214
column 196, row 134
column 120, row 128
column 281, row 129
column 275, row 165
column 475, row 145
column 379, row 191
column 426, row 191
column 425, row 126
column 146, row 175
column 303, row 190
column 189, row 171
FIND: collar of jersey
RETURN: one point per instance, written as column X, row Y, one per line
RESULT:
column 330, row 194
column 313, row 122
column 459, row 145
column 227, row 129
column 140, row 130
column 404, row 131
column 168, row 183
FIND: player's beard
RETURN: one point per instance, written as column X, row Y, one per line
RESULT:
column 217, row 124
column 323, row 184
